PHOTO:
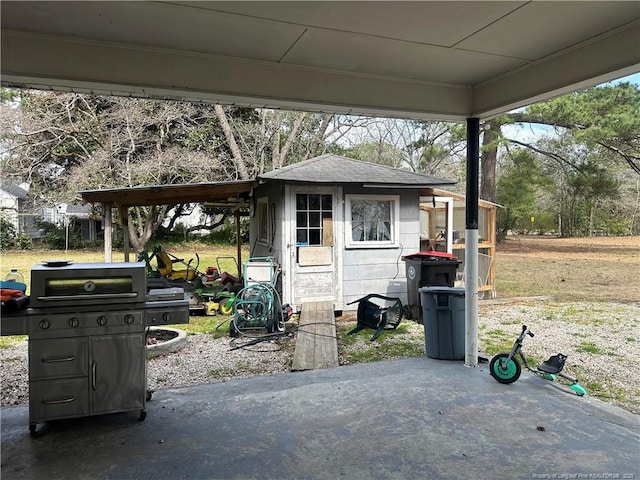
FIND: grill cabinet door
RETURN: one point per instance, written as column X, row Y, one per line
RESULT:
column 117, row 373
column 61, row 398
column 57, row 358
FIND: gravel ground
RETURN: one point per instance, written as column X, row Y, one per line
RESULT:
column 602, row 341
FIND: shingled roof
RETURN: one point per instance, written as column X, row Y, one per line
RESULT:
column 15, row 190
column 335, row 169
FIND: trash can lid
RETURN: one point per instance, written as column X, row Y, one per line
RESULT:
column 459, row 291
column 435, row 255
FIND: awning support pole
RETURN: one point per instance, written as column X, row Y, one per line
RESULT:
column 471, row 244
column 238, row 243
column 125, row 231
column 108, row 231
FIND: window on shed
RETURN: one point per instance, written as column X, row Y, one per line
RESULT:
column 372, row 220
column 314, row 219
column 263, row 220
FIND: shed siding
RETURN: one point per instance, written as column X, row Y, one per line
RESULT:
column 367, row 270
column 275, row 192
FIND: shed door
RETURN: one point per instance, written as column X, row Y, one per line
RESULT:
column 315, row 247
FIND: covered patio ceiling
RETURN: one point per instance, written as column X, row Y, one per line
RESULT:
column 427, row 60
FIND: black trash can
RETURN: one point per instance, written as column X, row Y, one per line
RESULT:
column 444, row 322
column 426, row 269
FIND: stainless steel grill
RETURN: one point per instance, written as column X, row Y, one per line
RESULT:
column 86, row 325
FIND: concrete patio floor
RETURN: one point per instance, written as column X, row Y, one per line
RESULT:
column 409, row 419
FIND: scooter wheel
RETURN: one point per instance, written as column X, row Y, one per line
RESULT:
column 503, row 369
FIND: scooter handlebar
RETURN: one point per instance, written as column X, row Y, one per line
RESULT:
column 528, row 332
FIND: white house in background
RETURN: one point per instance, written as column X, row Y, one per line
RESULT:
column 338, row 227
column 12, row 205
column 62, row 214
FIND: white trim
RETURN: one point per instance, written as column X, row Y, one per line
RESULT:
column 288, row 248
column 266, row 239
column 338, row 235
column 448, row 201
column 295, row 269
column 395, row 222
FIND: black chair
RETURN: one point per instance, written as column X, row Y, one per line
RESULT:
column 385, row 315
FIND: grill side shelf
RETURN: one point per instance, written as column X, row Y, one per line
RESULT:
column 14, row 323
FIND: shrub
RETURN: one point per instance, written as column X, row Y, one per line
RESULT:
column 24, row 242
column 226, row 234
column 7, row 233
column 55, row 236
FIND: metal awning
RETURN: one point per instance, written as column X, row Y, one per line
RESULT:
column 233, row 195
column 230, row 194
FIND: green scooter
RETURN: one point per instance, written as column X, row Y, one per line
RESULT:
column 505, row 368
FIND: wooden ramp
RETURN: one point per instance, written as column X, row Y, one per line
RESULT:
column 316, row 344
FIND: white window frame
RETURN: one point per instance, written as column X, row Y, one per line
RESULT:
column 394, row 222
column 262, row 206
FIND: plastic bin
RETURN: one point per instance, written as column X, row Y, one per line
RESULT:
column 444, row 322
column 426, row 269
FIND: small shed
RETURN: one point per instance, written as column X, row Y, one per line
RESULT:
column 442, row 228
column 338, row 227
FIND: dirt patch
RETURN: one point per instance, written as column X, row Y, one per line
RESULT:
column 155, row 337
column 550, row 245
column 569, row 269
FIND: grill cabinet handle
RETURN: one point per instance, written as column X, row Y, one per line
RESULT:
column 58, row 359
column 94, row 372
column 62, row 400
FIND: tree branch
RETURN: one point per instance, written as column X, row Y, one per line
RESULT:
column 552, row 155
column 233, row 146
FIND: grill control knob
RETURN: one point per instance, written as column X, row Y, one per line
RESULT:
column 167, row 317
column 102, row 320
column 74, row 322
column 44, row 324
column 128, row 319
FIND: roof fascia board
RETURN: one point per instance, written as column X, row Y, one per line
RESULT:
column 599, row 61
column 404, row 185
column 169, row 194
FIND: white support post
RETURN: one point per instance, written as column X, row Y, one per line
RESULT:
column 471, row 244
column 471, row 298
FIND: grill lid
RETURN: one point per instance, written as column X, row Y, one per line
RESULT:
column 61, row 283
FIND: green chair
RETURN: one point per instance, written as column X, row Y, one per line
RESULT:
column 385, row 314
